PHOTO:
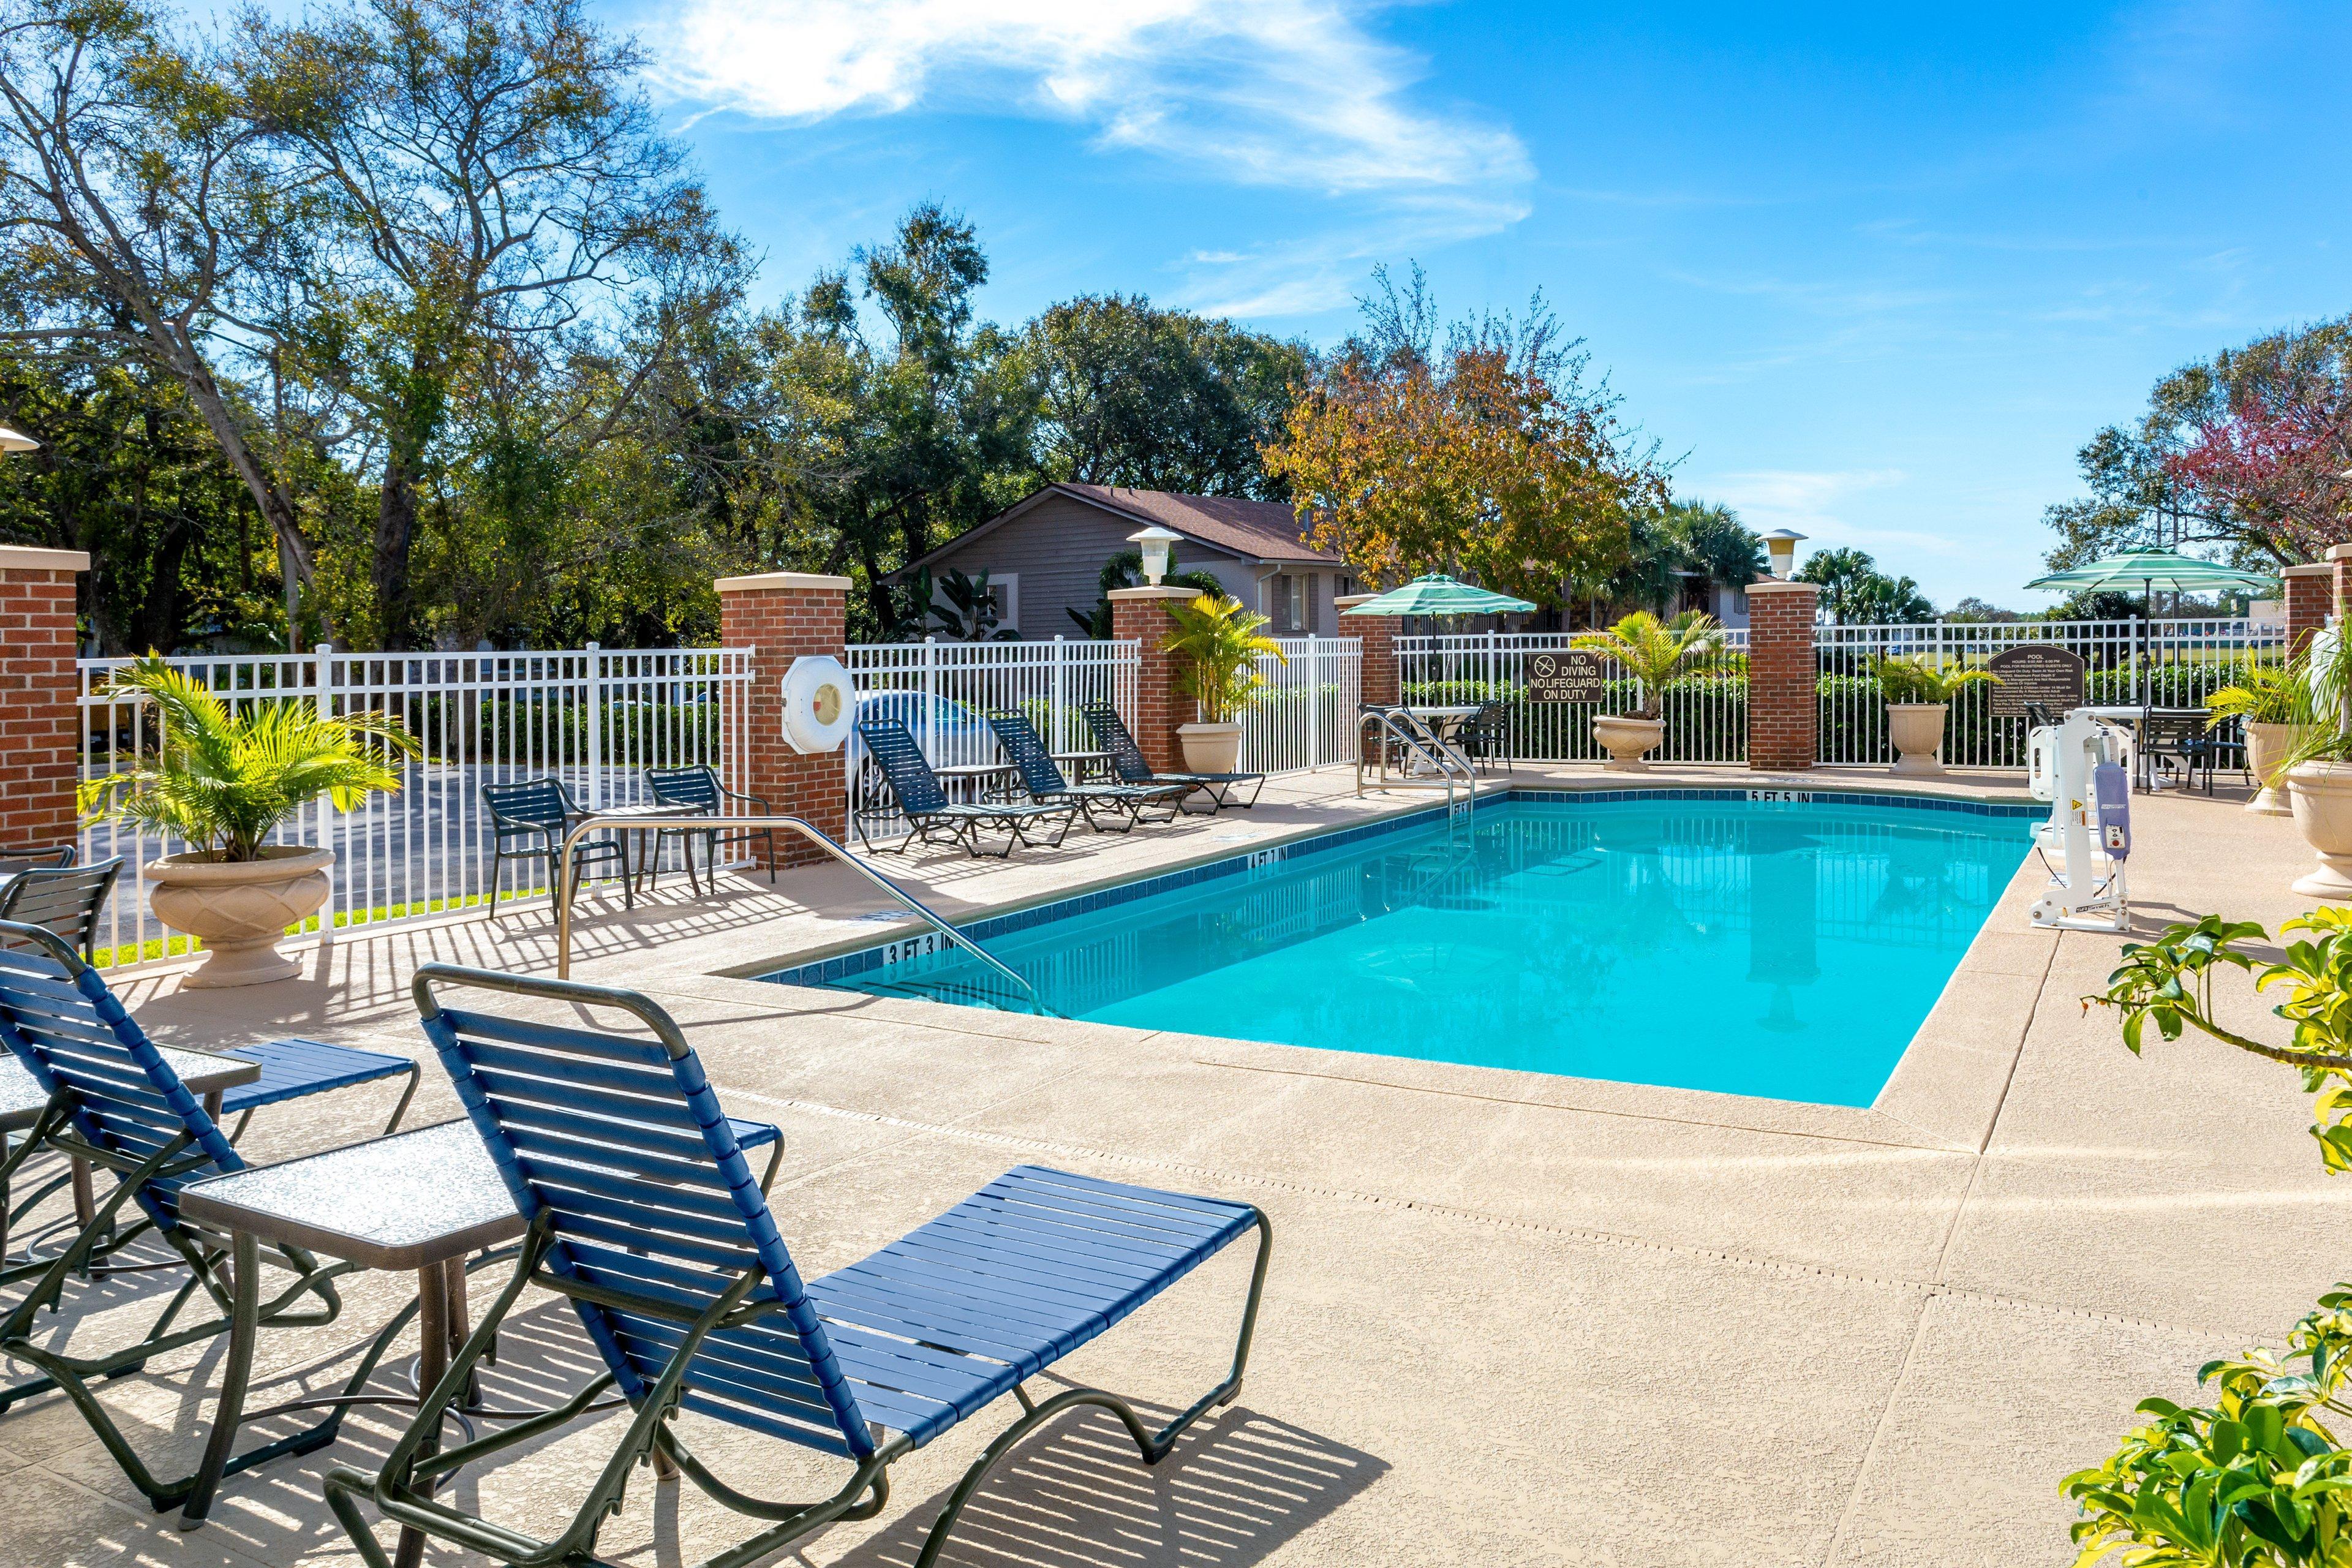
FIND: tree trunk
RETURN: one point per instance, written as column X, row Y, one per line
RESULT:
column 395, row 539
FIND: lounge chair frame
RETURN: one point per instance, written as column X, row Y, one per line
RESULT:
column 83, row 1122
column 401, row 1490
column 931, row 817
column 1128, row 760
column 1124, row 804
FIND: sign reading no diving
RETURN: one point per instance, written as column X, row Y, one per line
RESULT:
column 2051, row 676
column 1573, row 676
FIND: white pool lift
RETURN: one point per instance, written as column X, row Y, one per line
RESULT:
column 2082, row 766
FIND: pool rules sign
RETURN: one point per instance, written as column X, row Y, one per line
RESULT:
column 2038, row 673
column 1573, row 676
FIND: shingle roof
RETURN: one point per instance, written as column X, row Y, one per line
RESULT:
column 1266, row 530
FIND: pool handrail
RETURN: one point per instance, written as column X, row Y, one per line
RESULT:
column 806, row 829
column 1423, row 741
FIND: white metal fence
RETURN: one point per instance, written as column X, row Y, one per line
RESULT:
column 1706, row 713
column 2131, row 663
column 592, row 717
column 1306, row 717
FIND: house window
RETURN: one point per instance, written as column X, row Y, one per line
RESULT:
column 1004, row 596
column 1293, row 599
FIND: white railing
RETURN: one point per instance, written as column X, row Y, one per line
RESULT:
column 1306, row 716
column 594, row 718
column 2132, row 663
column 1706, row 714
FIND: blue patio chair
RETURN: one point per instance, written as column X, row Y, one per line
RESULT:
column 1121, row 802
column 697, row 791
column 528, row 821
column 112, row 1099
column 1128, row 761
column 928, row 812
column 644, row 1214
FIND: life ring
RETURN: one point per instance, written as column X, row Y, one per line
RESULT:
column 820, row 704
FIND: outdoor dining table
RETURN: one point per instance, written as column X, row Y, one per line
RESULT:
column 1446, row 721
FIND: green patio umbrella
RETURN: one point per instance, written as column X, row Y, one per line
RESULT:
column 2152, row 569
column 1438, row 595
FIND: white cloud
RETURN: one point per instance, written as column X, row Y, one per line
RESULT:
column 1289, row 93
column 1818, row 505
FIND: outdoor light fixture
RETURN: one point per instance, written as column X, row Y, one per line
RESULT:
column 1155, row 541
column 1780, row 544
column 12, row 442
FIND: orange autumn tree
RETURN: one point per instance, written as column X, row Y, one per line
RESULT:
column 1487, row 458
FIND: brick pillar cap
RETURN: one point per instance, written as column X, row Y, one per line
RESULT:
column 2339, row 553
column 771, row 580
column 1781, row 585
column 1162, row 592
column 1350, row 600
column 2312, row 569
column 24, row 558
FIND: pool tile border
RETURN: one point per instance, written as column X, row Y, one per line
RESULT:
column 829, row 971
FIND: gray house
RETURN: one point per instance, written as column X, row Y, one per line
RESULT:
column 1045, row 555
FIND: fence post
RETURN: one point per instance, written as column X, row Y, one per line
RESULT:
column 594, row 728
column 323, row 665
column 1314, row 702
column 932, row 699
column 1056, row 704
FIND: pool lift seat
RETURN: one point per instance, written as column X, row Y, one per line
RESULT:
column 2083, row 768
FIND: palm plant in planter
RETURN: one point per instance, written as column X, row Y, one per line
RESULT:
column 1217, row 645
column 2275, row 707
column 1919, row 693
column 1653, row 652
column 222, row 781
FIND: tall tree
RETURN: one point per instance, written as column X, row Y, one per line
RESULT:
column 491, row 185
column 1854, row 592
column 1487, row 456
column 136, row 201
column 1156, row 399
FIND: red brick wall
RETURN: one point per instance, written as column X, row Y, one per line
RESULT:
column 1379, row 634
column 1141, row 614
column 2310, row 599
column 781, row 617
column 39, row 713
column 1783, row 715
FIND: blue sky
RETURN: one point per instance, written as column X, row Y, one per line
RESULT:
column 1867, row 274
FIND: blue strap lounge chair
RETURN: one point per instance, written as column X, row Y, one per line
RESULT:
column 114, row 1098
column 1125, row 804
column 645, row 1215
column 1126, row 759
column 931, row 816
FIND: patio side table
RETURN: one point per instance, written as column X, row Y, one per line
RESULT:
column 420, row 1200
column 1085, row 767
column 977, row 783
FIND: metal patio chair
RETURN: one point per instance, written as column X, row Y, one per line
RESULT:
column 1485, row 738
column 63, row 899
column 1042, row 778
column 2177, row 741
column 1128, row 761
column 25, row 858
column 932, row 817
column 114, row 1100
column 645, row 1215
column 527, row 822
column 697, row 790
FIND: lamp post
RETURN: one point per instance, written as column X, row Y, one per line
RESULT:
column 1780, row 548
column 1156, row 542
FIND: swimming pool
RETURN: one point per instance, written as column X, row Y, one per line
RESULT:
column 1753, row 943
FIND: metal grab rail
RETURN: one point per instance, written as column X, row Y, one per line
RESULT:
column 1422, row 742
column 806, row 829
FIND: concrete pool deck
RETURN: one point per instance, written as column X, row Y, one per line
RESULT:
column 1512, row 1318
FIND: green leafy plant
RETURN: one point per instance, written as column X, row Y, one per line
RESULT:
column 1654, row 652
column 1916, row 678
column 2262, row 694
column 962, row 606
column 222, row 779
column 1217, row 644
column 2259, row 1479
column 1125, row 570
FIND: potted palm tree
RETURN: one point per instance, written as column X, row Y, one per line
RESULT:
column 222, row 781
column 2269, row 700
column 1919, row 693
column 1653, row 652
column 1217, row 644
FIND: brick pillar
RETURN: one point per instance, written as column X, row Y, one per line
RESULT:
column 1380, row 635
column 781, row 617
column 40, row 707
column 2310, row 600
column 2339, row 562
column 1783, row 714
column 1141, row 614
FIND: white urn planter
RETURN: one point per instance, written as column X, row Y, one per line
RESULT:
column 1210, row 748
column 2267, row 748
column 1626, row 738
column 240, row 909
column 2322, row 797
column 1917, row 731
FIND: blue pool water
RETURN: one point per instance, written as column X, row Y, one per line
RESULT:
column 1754, row 947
